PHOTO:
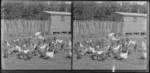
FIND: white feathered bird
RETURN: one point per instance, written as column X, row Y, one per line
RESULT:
column 114, row 38
column 14, row 48
column 92, row 49
column 70, row 44
column 117, row 47
column 70, row 53
column 131, row 42
column 39, row 36
column 111, row 34
column 43, row 46
column 81, row 45
column 60, row 41
column 19, row 48
column 50, row 54
column 99, row 52
column 37, row 33
column 144, row 49
column 124, row 55
column 7, row 44
column 26, row 51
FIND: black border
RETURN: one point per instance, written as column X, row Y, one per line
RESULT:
column 74, row 70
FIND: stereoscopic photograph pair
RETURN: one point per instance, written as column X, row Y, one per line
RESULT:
column 78, row 35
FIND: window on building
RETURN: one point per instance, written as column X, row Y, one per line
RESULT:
column 128, row 33
column 143, row 33
column 134, row 19
column 69, row 32
column 56, row 32
column 136, row 33
column 62, row 18
column 64, row 32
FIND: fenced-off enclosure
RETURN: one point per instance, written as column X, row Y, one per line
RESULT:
column 29, row 27
column 25, row 27
column 96, row 28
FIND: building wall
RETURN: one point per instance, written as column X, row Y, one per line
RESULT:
column 46, row 16
column 131, row 26
column 96, row 28
column 119, row 18
column 58, row 25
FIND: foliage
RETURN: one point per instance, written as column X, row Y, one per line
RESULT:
column 104, row 11
column 12, row 10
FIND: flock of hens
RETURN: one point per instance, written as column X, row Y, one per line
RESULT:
column 46, row 48
column 118, row 48
column 37, row 45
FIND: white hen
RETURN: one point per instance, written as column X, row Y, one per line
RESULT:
column 144, row 49
column 70, row 44
column 99, row 52
column 37, row 33
column 117, row 47
column 26, row 51
column 50, row 54
column 60, row 41
column 18, row 48
column 8, row 44
column 92, row 49
column 81, row 45
column 111, row 34
column 124, row 55
column 70, row 53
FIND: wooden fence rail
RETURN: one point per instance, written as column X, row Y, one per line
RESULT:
column 25, row 27
column 100, row 28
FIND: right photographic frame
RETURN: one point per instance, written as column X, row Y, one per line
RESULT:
column 110, row 35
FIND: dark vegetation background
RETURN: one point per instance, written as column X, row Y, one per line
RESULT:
column 30, row 9
column 82, row 10
column 104, row 11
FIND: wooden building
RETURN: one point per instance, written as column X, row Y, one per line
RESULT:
column 60, row 22
column 133, row 23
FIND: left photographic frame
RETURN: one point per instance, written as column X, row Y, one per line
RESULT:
column 36, row 35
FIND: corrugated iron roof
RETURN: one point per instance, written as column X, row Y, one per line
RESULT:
column 57, row 13
column 131, row 14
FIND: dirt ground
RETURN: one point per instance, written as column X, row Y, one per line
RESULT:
column 58, row 62
column 132, row 63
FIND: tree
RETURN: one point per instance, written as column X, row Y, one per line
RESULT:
column 25, row 10
column 78, row 10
